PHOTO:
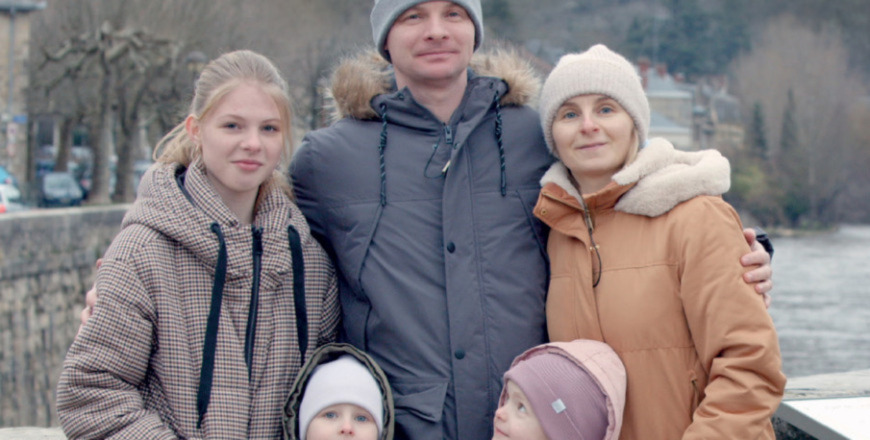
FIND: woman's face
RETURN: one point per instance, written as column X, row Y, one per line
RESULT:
column 241, row 141
column 594, row 136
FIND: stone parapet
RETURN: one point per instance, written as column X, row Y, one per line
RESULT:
column 46, row 265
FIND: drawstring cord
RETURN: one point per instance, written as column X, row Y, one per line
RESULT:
column 295, row 242
column 254, row 306
column 500, row 143
column 429, row 162
column 381, row 146
column 206, row 374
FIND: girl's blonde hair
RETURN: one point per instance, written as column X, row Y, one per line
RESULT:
column 220, row 77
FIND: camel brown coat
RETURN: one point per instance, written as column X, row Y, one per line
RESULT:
column 700, row 350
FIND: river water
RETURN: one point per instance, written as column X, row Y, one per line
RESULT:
column 821, row 301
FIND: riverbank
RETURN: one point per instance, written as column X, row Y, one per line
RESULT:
column 784, row 232
column 821, row 301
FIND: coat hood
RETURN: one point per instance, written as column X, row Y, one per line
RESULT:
column 359, row 79
column 183, row 205
column 660, row 178
column 602, row 363
column 327, row 353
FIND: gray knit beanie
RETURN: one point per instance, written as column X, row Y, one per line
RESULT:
column 385, row 12
column 599, row 70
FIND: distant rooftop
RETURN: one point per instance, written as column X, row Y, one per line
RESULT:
column 662, row 124
column 21, row 5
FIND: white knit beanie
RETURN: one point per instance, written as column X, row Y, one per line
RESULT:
column 344, row 380
column 385, row 12
column 601, row 71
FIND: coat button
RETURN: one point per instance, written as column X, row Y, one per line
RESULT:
column 451, row 247
column 460, row 354
column 544, row 211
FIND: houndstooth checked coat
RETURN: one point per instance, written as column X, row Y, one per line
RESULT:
column 137, row 369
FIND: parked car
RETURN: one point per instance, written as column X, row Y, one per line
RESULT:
column 6, row 178
column 60, row 189
column 10, row 199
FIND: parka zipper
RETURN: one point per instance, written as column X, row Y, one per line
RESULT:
column 448, row 138
column 592, row 247
column 251, row 329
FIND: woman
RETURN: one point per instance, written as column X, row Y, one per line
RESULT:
column 644, row 256
column 214, row 290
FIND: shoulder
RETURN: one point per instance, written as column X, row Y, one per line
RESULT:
column 706, row 222
column 324, row 150
column 708, row 208
column 136, row 242
column 523, row 82
column 342, row 134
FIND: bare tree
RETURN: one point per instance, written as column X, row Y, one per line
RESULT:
column 306, row 39
column 115, row 63
column 814, row 65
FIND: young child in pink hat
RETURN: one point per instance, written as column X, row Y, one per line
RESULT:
column 562, row 391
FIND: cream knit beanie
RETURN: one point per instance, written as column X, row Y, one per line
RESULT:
column 599, row 70
column 344, row 380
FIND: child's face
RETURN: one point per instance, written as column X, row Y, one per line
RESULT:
column 515, row 418
column 342, row 421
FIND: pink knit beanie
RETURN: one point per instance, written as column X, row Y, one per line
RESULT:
column 566, row 399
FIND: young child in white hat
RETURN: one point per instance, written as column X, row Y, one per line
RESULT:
column 341, row 393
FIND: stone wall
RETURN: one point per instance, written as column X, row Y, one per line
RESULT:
column 46, row 265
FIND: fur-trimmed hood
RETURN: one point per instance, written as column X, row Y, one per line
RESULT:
column 322, row 355
column 360, row 78
column 662, row 177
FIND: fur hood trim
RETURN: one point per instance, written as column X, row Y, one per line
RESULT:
column 364, row 76
column 663, row 177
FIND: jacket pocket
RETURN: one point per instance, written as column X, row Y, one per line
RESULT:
column 419, row 406
column 696, row 393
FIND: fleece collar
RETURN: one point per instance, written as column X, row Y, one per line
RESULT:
column 662, row 177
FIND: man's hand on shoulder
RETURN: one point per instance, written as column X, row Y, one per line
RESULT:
column 759, row 258
column 90, row 300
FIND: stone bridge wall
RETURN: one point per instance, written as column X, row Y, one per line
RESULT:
column 46, row 265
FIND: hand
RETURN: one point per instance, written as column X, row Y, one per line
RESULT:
column 90, row 300
column 762, row 274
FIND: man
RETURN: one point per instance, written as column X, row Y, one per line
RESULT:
column 423, row 194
